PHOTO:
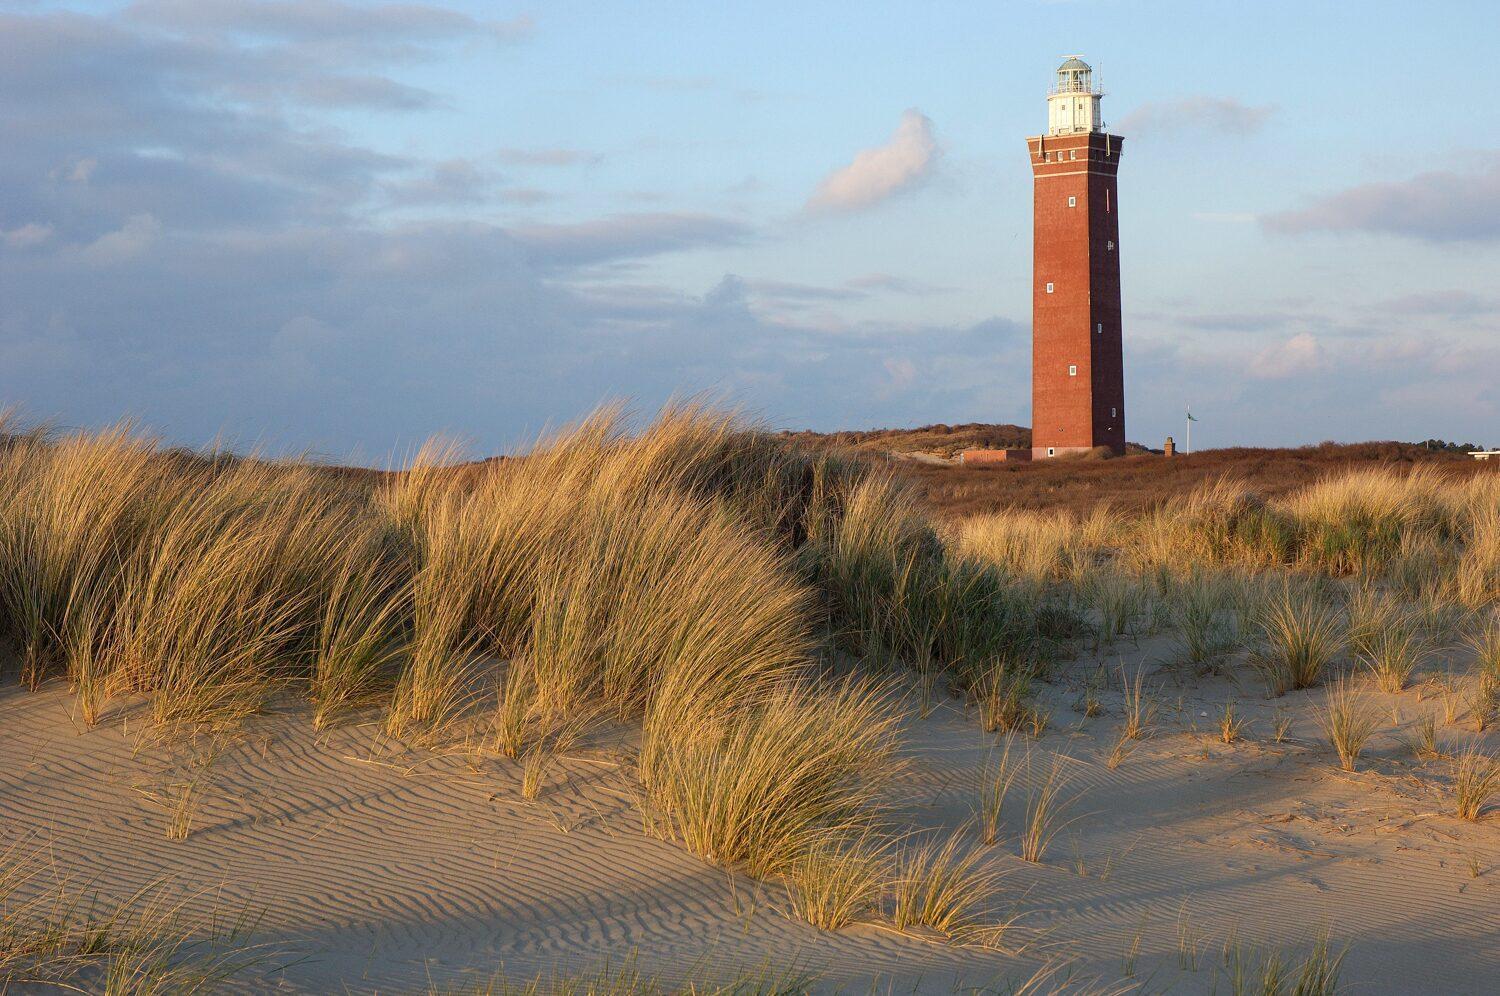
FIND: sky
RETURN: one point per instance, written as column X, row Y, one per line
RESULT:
column 339, row 228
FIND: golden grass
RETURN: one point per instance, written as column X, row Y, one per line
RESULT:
column 1476, row 780
column 1003, row 695
column 1349, row 719
column 838, row 882
column 627, row 979
column 53, row 938
column 676, row 579
column 940, row 886
column 1140, row 710
column 1393, row 650
column 1231, row 724
column 1033, row 545
column 995, row 781
column 1301, row 632
column 1046, row 810
column 699, row 579
column 762, row 785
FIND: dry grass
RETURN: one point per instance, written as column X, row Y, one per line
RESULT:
column 936, row 885
column 838, row 882
column 676, row 579
column 702, row 581
column 55, row 939
column 1393, row 651
column 1140, row 710
column 1301, row 631
column 1003, row 695
column 534, row 767
column 732, row 790
column 627, row 979
column 1423, row 742
column 995, row 781
column 1486, row 647
column 1231, row 724
column 1249, row 971
column 1200, row 607
column 1476, row 780
column 1483, row 699
column 1046, row 811
column 1349, row 719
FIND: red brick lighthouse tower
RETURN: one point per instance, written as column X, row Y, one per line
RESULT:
column 1077, row 367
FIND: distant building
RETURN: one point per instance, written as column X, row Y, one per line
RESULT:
column 1077, row 361
column 1485, row 454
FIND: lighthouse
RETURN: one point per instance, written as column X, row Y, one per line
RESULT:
column 1077, row 362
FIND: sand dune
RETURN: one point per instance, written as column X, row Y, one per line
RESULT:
column 380, row 869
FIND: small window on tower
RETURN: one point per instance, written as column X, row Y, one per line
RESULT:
column 1072, row 202
column 1073, row 370
column 1099, row 328
column 1051, row 451
column 1072, row 153
column 1049, row 288
column 1111, row 245
column 1112, row 412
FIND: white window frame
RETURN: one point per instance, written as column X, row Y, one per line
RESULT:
column 1052, row 451
column 1049, row 287
column 1098, row 328
column 1072, row 202
column 1072, row 370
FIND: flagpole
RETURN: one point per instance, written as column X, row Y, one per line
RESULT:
column 1188, row 449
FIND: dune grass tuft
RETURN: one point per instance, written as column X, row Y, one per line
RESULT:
column 995, row 781
column 939, row 886
column 838, row 881
column 1047, row 807
column 1349, row 720
column 1301, row 632
column 1476, row 780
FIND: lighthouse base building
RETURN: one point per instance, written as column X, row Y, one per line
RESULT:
column 1077, row 355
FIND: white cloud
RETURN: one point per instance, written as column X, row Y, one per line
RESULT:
column 882, row 172
column 1300, row 354
column 26, row 236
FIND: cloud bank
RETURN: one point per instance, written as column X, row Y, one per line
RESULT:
column 1437, row 206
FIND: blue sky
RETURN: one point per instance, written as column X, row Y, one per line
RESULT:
column 341, row 227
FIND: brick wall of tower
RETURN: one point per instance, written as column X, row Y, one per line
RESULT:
column 1076, row 326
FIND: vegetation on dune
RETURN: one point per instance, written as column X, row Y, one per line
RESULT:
column 743, row 602
column 53, row 938
column 700, row 580
column 1136, row 485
